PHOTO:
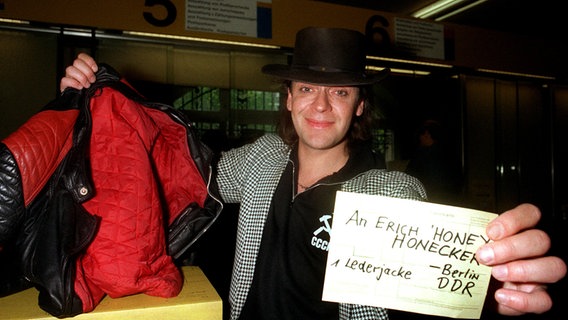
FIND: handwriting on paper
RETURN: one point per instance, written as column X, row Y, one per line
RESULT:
column 407, row 255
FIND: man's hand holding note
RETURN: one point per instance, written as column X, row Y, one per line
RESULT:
column 407, row 255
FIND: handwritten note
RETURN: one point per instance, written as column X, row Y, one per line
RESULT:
column 407, row 255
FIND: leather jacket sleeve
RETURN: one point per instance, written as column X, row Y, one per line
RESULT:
column 11, row 198
column 11, row 213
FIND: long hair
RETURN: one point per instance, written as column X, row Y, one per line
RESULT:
column 359, row 131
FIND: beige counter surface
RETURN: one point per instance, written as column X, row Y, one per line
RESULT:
column 197, row 300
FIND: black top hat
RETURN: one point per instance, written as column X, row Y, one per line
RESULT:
column 327, row 56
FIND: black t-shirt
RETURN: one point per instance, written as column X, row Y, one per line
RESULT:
column 290, row 268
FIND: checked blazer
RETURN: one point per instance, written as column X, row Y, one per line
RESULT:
column 250, row 174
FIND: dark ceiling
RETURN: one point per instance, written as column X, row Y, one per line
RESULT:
column 524, row 17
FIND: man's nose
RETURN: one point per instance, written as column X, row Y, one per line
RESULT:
column 322, row 102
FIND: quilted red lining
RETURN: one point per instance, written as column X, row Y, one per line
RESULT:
column 144, row 177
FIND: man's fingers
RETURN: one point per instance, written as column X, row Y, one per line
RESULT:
column 527, row 244
column 81, row 74
column 69, row 83
column 522, row 217
column 77, row 78
column 83, row 70
column 531, row 271
column 88, row 61
column 520, row 300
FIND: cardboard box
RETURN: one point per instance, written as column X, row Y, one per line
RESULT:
column 197, row 300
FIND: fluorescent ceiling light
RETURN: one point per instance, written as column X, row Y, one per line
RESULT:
column 403, row 71
column 13, row 21
column 517, row 74
column 461, row 9
column 422, row 63
column 436, row 7
column 166, row 36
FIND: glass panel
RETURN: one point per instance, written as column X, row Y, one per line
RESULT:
column 199, row 99
column 206, row 104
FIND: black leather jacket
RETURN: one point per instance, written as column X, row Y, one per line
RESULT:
column 40, row 241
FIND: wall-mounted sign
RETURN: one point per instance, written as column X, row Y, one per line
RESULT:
column 237, row 17
column 419, row 38
column 217, row 19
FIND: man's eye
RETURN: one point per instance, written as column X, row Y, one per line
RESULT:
column 305, row 89
column 342, row 93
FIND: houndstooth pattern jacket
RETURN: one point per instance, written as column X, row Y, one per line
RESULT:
column 250, row 174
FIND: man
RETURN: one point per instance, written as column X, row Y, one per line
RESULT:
column 286, row 188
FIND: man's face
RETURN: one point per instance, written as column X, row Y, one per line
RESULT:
column 322, row 114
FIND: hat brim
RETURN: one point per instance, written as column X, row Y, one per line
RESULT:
column 323, row 77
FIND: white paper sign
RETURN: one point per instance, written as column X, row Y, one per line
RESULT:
column 407, row 255
column 251, row 18
column 419, row 37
